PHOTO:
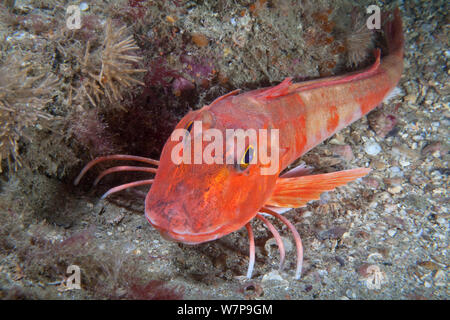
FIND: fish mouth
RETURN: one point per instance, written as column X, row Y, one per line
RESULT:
column 175, row 223
column 187, row 237
column 183, row 218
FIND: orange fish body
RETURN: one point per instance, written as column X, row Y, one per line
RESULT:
column 195, row 203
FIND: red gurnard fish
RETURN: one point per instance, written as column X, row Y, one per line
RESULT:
column 195, row 203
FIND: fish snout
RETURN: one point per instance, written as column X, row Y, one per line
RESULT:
column 176, row 223
column 166, row 235
column 170, row 219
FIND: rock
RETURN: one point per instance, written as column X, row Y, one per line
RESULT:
column 440, row 280
column 23, row 6
column 372, row 148
column 180, row 85
column 373, row 276
column 340, row 260
column 200, row 40
column 338, row 139
column 392, row 232
column 84, row 6
column 306, row 214
column 252, row 290
column 411, row 98
column 394, row 222
column 371, row 182
column 379, row 165
column 272, row 243
column 374, row 257
column 395, row 172
column 344, row 151
column 442, row 221
column 393, row 181
column 333, row 233
column 382, row 123
column 404, row 163
column 117, row 219
column 362, row 234
column 395, row 190
column 403, row 151
column 435, row 147
column 273, row 276
column 417, row 179
column 430, row 265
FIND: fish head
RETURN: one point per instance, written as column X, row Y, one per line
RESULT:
column 205, row 198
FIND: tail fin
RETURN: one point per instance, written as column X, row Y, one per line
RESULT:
column 393, row 31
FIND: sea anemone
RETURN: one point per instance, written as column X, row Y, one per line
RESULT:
column 107, row 72
column 358, row 41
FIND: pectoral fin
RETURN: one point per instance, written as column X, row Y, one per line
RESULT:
column 297, row 191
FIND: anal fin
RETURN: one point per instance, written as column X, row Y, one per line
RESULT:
column 336, row 80
column 297, row 191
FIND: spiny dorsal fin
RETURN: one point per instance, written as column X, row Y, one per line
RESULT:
column 277, row 91
column 296, row 192
column 286, row 86
column 232, row 93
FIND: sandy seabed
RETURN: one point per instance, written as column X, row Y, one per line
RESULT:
column 382, row 237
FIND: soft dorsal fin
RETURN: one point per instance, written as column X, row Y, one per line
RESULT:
column 232, row 93
column 319, row 83
column 277, row 91
column 296, row 192
column 287, row 86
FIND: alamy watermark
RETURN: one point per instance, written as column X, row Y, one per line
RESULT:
column 73, row 21
column 374, row 21
column 74, row 280
column 239, row 147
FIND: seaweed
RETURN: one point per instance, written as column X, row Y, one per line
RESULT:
column 110, row 274
column 358, row 41
column 91, row 131
column 23, row 98
column 154, row 290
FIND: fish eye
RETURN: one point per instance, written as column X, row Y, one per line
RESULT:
column 246, row 158
column 189, row 126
